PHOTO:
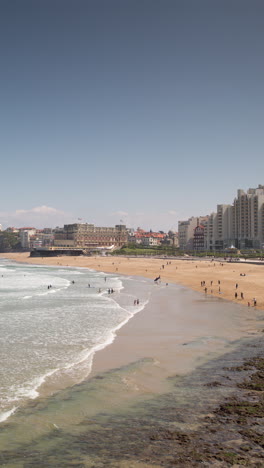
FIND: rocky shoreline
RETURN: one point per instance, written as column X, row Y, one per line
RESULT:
column 231, row 435
column 211, row 417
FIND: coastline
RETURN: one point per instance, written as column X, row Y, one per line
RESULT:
column 188, row 273
column 150, row 333
column 151, row 364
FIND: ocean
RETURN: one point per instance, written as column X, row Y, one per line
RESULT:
column 52, row 320
column 56, row 411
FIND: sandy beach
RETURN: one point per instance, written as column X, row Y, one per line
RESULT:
column 205, row 347
column 152, row 332
column 185, row 272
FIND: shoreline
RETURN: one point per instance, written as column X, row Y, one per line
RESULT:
column 136, row 337
column 150, row 368
column 189, row 273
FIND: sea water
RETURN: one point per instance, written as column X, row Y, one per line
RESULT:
column 53, row 416
column 52, row 320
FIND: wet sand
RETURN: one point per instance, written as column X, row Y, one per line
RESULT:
column 160, row 330
column 153, row 332
column 180, row 427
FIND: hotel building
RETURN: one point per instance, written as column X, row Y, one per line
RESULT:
column 249, row 218
column 240, row 225
column 88, row 236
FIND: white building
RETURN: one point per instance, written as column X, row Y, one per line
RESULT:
column 186, row 231
column 210, row 230
column 25, row 235
column 224, row 227
column 149, row 241
column 240, row 225
column 249, row 218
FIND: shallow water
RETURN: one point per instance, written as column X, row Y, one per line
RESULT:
column 49, row 334
column 81, row 427
column 108, row 419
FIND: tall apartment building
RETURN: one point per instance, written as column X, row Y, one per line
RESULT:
column 224, row 227
column 185, row 232
column 240, row 225
column 249, row 218
column 210, row 232
column 89, row 236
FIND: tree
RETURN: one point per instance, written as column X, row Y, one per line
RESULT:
column 9, row 241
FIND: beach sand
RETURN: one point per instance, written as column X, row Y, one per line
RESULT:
column 151, row 333
column 156, row 336
column 185, row 272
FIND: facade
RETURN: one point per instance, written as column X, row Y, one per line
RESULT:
column 249, row 218
column 150, row 241
column 198, row 238
column 25, row 235
column 240, row 224
column 173, row 238
column 146, row 238
column 210, row 232
column 87, row 236
column 186, row 231
column 224, row 235
column 42, row 238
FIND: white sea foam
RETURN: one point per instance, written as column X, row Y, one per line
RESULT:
column 6, row 414
column 58, row 331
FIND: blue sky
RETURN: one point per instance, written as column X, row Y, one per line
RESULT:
column 148, row 111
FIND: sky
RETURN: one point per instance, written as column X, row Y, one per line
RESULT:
column 145, row 111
